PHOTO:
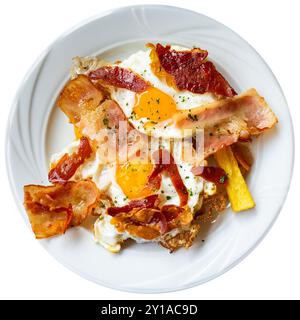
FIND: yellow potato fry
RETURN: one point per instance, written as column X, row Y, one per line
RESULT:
column 238, row 193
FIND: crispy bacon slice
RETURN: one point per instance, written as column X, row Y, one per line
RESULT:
column 160, row 219
column 51, row 210
column 80, row 100
column 120, row 77
column 116, row 138
column 148, row 202
column 165, row 163
column 192, row 72
column 68, row 164
column 213, row 174
column 46, row 223
column 107, row 116
column 172, row 60
column 226, row 121
column 151, row 222
column 171, row 212
column 78, row 97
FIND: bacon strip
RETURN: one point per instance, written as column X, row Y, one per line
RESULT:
column 78, row 97
column 120, row 77
column 51, row 210
column 192, row 72
column 148, row 202
column 116, row 138
column 80, row 101
column 46, row 223
column 68, row 164
column 171, row 212
column 213, row 174
column 165, row 163
column 226, row 121
column 151, row 222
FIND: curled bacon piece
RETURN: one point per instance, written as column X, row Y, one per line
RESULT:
column 160, row 219
column 46, row 223
column 171, row 212
column 68, row 164
column 150, row 222
column 213, row 174
column 148, row 202
column 51, row 210
column 192, row 72
column 120, row 77
column 102, row 122
column 165, row 163
column 78, row 97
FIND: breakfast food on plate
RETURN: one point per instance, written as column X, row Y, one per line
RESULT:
column 161, row 146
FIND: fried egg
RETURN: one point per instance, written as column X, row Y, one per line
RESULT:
column 151, row 111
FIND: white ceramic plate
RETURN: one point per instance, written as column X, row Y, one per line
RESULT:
column 36, row 129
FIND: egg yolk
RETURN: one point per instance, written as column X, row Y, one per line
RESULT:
column 154, row 105
column 133, row 178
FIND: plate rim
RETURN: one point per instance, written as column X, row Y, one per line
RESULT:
column 14, row 107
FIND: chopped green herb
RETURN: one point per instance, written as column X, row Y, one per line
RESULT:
column 223, row 179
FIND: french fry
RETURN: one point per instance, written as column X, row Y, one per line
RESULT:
column 238, row 192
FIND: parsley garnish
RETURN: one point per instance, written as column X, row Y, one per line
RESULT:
column 223, row 179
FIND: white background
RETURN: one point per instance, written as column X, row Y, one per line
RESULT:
column 27, row 271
